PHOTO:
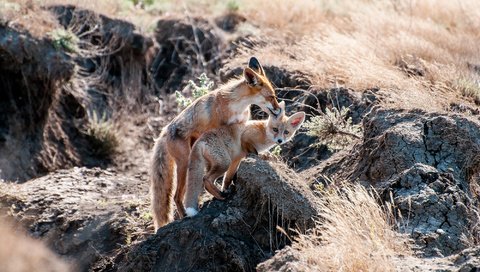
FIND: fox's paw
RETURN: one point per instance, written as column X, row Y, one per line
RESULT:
column 191, row 211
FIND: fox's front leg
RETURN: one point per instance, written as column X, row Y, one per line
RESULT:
column 228, row 178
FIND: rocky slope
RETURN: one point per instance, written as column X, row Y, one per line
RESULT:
column 97, row 219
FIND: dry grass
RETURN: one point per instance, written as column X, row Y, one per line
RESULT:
column 359, row 44
column 354, row 234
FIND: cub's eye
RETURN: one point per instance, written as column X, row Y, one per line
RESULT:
column 286, row 132
column 275, row 130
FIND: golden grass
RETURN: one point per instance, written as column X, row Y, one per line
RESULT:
column 354, row 234
column 358, row 44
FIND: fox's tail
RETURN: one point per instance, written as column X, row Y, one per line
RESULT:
column 196, row 171
column 161, row 182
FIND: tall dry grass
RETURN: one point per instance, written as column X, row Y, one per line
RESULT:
column 354, row 234
column 416, row 50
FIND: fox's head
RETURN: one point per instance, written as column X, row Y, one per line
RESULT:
column 261, row 88
column 280, row 128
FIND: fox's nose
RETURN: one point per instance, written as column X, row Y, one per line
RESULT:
column 279, row 141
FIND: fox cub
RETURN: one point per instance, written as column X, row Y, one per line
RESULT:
column 221, row 150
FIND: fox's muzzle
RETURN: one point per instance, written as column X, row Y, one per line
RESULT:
column 275, row 112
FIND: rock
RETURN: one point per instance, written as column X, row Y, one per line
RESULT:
column 234, row 235
column 284, row 260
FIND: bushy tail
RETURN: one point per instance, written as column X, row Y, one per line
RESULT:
column 196, row 171
column 161, row 183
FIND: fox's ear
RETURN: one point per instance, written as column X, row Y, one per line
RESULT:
column 250, row 77
column 282, row 105
column 297, row 119
column 256, row 66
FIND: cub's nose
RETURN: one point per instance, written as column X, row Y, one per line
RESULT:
column 279, row 141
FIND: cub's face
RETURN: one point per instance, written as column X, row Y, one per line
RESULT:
column 281, row 129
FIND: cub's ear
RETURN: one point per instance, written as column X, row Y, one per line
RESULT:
column 297, row 119
column 256, row 66
column 250, row 76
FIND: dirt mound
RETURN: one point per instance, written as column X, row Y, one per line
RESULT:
column 188, row 47
column 113, row 57
column 234, row 235
column 49, row 94
column 428, row 163
column 99, row 220
column 85, row 215
column 230, row 21
column 31, row 72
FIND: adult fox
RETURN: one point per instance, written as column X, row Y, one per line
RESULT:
column 229, row 104
column 221, row 150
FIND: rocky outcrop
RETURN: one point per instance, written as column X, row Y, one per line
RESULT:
column 99, row 220
column 234, row 235
column 428, row 165
column 31, row 71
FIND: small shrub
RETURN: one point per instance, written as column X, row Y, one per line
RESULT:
column 206, row 85
column 469, row 88
column 334, row 128
column 276, row 151
column 64, row 39
column 101, row 135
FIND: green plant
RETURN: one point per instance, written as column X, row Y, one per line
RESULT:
column 233, row 5
column 468, row 88
column 333, row 128
column 205, row 86
column 101, row 134
column 64, row 39
column 276, row 151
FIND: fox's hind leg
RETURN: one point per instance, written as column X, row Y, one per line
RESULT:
column 218, row 164
column 181, row 155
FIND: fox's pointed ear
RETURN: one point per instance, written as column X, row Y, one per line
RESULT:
column 256, row 66
column 297, row 119
column 250, row 77
column 282, row 105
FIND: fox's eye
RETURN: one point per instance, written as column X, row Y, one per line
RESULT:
column 286, row 132
column 275, row 130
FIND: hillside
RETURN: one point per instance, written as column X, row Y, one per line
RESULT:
column 384, row 175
